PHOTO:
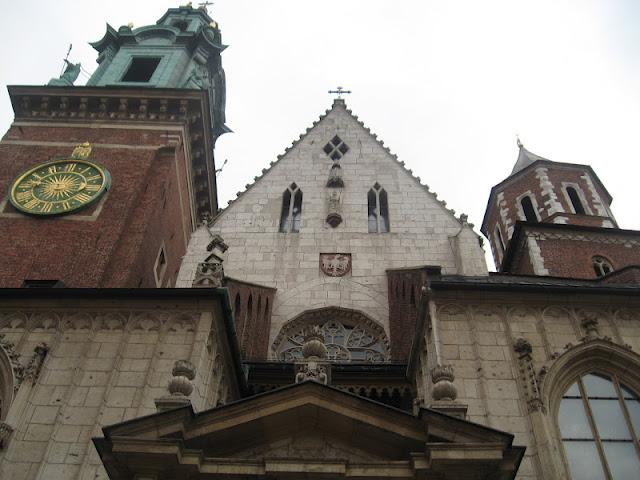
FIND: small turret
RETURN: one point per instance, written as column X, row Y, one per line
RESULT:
column 541, row 191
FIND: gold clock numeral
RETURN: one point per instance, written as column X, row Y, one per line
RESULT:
column 66, row 205
column 23, row 196
column 52, row 169
column 92, row 188
column 94, row 177
column 46, row 208
column 82, row 197
column 31, row 204
column 70, row 167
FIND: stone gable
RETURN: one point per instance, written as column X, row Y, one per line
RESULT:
column 422, row 230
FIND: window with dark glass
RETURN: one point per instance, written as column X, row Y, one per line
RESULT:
column 599, row 420
column 291, row 215
column 528, row 210
column 141, row 69
column 576, row 203
column 377, row 210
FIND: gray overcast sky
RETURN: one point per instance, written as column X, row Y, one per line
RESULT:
column 446, row 84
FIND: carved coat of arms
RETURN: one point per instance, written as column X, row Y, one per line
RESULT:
column 335, row 264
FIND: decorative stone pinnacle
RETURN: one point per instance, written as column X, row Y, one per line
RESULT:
column 443, row 387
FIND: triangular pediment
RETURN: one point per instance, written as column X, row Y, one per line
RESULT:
column 302, row 429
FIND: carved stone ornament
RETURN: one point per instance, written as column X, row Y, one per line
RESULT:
column 443, row 387
column 5, row 433
column 589, row 324
column 528, row 378
column 335, row 264
column 334, row 216
column 335, row 177
column 32, row 369
column 313, row 347
column 217, row 242
column 180, row 386
column 209, row 275
column 312, row 371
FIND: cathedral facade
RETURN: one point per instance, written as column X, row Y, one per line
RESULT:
column 335, row 320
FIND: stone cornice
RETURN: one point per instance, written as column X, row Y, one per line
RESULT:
column 95, row 105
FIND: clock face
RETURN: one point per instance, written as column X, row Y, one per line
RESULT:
column 59, row 187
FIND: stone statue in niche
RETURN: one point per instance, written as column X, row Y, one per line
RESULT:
column 334, row 217
column 335, row 177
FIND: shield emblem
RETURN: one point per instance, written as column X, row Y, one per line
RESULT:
column 335, row 264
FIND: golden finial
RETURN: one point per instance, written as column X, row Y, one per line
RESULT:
column 518, row 142
column 82, row 151
column 130, row 25
column 213, row 24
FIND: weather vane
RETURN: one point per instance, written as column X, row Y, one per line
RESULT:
column 204, row 6
column 340, row 91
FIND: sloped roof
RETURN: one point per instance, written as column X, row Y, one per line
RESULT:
column 525, row 158
column 305, row 421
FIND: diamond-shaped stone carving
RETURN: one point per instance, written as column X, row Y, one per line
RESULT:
column 336, row 148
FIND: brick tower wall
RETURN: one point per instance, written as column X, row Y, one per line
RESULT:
column 114, row 243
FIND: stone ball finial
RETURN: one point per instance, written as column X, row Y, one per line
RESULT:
column 183, row 372
column 313, row 346
column 443, row 387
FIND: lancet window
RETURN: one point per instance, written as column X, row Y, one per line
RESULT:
column 291, row 215
column 378, row 210
column 576, row 203
column 528, row 209
column 599, row 421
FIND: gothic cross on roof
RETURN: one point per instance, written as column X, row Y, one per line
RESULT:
column 204, row 6
column 339, row 91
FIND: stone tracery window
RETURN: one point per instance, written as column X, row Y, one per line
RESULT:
column 377, row 210
column 601, row 266
column 349, row 336
column 599, row 421
column 291, row 215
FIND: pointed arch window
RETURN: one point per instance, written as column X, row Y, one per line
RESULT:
column 378, row 210
column 599, row 421
column 291, row 215
column 601, row 266
column 499, row 240
column 528, row 209
column 576, row 202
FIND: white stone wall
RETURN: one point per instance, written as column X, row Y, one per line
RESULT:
column 422, row 230
column 105, row 365
column 477, row 335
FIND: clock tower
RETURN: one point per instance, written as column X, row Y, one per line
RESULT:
column 102, row 185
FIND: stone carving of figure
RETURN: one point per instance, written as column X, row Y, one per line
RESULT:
column 69, row 75
column 197, row 79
